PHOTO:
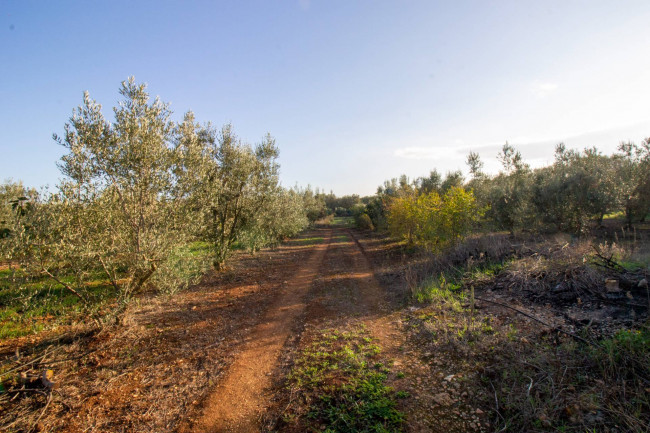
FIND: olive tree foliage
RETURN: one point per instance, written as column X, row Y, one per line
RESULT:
column 247, row 181
column 313, row 202
column 478, row 179
column 234, row 190
column 282, row 217
column 376, row 211
column 377, row 207
column 633, row 183
column 116, row 212
column 475, row 165
column 578, row 188
column 430, row 183
column 121, row 183
column 341, row 206
column 453, row 179
column 572, row 195
column 14, row 198
column 508, row 193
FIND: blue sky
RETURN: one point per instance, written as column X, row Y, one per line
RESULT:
column 355, row 92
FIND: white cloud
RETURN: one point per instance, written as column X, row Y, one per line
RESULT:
column 452, row 152
column 435, row 153
column 542, row 89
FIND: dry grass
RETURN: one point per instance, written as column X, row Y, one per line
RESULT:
column 532, row 379
column 527, row 376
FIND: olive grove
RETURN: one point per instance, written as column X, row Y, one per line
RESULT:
column 147, row 203
column 573, row 194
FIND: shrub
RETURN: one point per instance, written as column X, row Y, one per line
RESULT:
column 431, row 221
column 364, row 222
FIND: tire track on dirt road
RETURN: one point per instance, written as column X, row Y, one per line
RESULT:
column 385, row 326
column 239, row 401
column 348, row 294
column 429, row 408
column 382, row 324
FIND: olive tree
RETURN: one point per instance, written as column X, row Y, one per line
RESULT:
column 313, row 203
column 633, row 180
column 578, row 188
column 509, row 192
column 14, row 197
column 281, row 217
column 116, row 211
column 429, row 183
column 233, row 188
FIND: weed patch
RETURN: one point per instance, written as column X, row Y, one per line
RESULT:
column 441, row 288
column 30, row 305
column 531, row 379
column 340, row 383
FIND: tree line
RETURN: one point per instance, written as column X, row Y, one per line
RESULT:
column 146, row 202
column 573, row 194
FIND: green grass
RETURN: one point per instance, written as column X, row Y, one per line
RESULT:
column 199, row 248
column 487, row 270
column 343, row 221
column 341, row 384
column 441, row 288
column 542, row 382
column 238, row 246
column 615, row 215
column 306, row 241
column 30, row 305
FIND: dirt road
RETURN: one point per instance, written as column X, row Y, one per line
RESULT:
column 335, row 283
column 223, row 356
column 216, row 357
column 239, row 400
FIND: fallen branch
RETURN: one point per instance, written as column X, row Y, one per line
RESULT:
column 67, row 286
column 570, row 334
column 608, row 262
column 16, row 391
column 47, row 404
column 36, row 360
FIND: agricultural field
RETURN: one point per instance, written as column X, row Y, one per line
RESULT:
column 344, row 330
column 180, row 288
column 384, row 217
column 141, row 297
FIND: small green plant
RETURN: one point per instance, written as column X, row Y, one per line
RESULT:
column 440, row 289
column 486, row 271
column 627, row 353
column 343, row 386
column 511, row 333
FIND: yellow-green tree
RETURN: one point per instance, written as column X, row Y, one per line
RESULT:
column 431, row 221
column 401, row 217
